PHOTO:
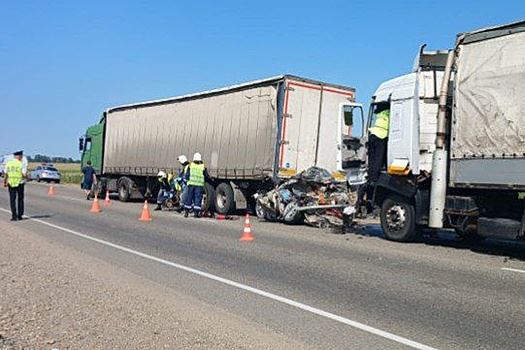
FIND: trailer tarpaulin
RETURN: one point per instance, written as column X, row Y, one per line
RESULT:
column 489, row 110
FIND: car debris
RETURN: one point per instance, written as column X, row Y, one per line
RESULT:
column 312, row 197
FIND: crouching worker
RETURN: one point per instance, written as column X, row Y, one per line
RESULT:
column 196, row 176
column 164, row 190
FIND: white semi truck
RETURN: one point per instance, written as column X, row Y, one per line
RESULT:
column 456, row 146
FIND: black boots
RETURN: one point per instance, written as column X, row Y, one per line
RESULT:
column 186, row 213
column 159, row 207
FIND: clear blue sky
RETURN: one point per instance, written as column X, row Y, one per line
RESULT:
column 63, row 62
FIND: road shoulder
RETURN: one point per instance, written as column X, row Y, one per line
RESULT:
column 56, row 297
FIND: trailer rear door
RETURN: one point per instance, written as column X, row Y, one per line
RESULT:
column 299, row 127
column 310, row 127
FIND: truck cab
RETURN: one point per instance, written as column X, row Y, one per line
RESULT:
column 91, row 146
column 413, row 101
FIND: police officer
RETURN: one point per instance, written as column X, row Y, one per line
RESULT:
column 196, row 176
column 14, row 180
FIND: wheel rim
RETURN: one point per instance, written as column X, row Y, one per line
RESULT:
column 396, row 218
column 204, row 200
column 259, row 210
column 122, row 192
column 221, row 199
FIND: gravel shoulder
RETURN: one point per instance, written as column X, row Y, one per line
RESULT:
column 52, row 297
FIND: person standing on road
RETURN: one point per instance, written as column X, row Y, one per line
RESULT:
column 184, row 163
column 180, row 181
column 196, row 176
column 14, row 181
column 90, row 178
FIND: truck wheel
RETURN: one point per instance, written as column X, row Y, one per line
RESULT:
column 208, row 198
column 398, row 219
column 124, row 189
column 224, row 199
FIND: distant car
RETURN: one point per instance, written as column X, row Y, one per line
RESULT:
column 45, row 172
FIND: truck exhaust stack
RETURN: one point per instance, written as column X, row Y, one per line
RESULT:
column 438, row 189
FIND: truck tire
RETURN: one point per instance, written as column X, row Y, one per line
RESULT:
column 224, row 199
column 208, row 200
column 124, row 189
column 398, row 219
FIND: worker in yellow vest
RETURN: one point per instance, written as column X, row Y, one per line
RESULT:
column 196, row 176
column 14, row 181
column 377, row 152
column 377, row 142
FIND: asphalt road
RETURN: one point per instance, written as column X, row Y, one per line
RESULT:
column 314, row 288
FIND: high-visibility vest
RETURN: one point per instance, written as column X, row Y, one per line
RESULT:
column 381, row 125
column 196, row 175
column 14, row 172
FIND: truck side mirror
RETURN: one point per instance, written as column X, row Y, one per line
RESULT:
column 81, row 144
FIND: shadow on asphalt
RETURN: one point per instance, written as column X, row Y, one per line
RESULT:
column 448, row 239
column 38, row 216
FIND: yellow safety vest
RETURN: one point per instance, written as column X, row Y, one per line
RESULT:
column 381, row 125
column 196, row 175
column 14, row 172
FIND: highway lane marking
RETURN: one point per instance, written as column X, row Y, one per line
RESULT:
column 513, row 270
column 274, row 297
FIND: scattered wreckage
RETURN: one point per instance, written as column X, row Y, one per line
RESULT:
column 312, row 197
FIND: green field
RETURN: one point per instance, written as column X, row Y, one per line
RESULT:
column 70, row 171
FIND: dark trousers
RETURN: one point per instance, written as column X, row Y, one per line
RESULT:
column 376, row 161
column 193, row 198
column 162, row 196
column 376, row 156
column 14, row 194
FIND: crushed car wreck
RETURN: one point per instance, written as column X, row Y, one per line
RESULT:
column 312, row 197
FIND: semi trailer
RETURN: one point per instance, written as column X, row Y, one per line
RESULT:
column 456, row 146
column 252, row 136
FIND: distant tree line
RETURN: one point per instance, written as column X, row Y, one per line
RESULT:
column 40, row 158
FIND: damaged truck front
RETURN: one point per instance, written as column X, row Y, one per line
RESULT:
column 464, row 169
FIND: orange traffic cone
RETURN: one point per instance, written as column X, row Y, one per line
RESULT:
column 51, row 191
column 95, row 208
column 106, row 200
column 247, row 233
column 145, row 216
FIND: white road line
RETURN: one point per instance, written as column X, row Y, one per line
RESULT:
column 73, row 199
column 275, row 297
column 513, row 270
